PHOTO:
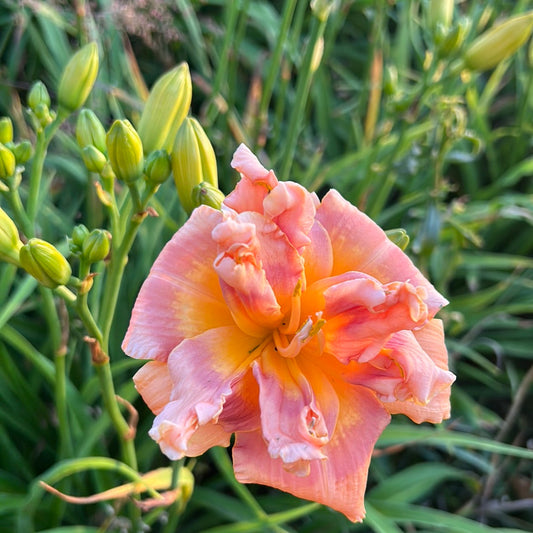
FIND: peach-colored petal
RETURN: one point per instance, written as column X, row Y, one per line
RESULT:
column 203, row 371
column 361, row 313
column 154, row 385
column 401, row 371
column 431, row 339
column 360, row 244
column 257, row 286
column 255, row 184
column 298, row 414
column 318, row 255
column 292, row 208
column 181, row 296
column 338, row 481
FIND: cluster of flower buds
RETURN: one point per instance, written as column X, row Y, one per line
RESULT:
column 90, row 246
column 165, row 141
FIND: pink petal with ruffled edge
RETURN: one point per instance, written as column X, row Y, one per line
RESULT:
column 256, row 182
column 154, row 385
column 431, row 340
column 181, row 296
column 298, row 411
column 361, row 313
column 204, row 371
column 338, row 481
column 292, row 208
column 360, row 244
column 257, row 286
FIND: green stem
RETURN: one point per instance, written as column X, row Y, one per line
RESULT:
column 302, row 93
column 274, row 67
column 23, row 222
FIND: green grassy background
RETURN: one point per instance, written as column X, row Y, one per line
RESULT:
column 384, row 115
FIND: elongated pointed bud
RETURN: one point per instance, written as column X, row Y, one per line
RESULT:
column 440, row 12
column 6, row 130
column 125, row 151
column 79, row 234
column 207, row 194
column 167, row 105
column 96, row 245
column 7, row 162
column 78, row 78
column 38, row 96
column 89, row 130
column 10, row 243
column 193, row 161
column 500, row 42
column 157, row 167
column 45, row 263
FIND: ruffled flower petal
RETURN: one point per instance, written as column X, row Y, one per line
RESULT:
column 360, row 244
column 203, row 371
column 338, row 481
column 154, row 384
column 361, row 313
column 318, row 255
column 257, row 286
column 298, row 414
column 181, row 296
column 255, row 184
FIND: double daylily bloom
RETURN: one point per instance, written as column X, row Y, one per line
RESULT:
column 296, row 325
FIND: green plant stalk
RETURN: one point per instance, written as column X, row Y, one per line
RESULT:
column 44, row 137
column 22, row 219
column 274, row 68
column 232, row 11
column 302, row 93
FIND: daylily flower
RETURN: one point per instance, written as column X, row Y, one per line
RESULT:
column 296, row 325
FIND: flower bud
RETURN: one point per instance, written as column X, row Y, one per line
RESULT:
column 89, row 130
column 399, row 237
column 96, row 246
column 10, row 244
column 7, row 162
column 206, row 194
column 78, row 78
column 45, row 263
column 323, row 8
column 23, row 152
column 94, row 160
column 79, row 234
column 38, row 96
column 44, row 115
column 6, row 130
column 157, row 168
column 498, row 43
column 125, row 151
column 193, row 161
column 455, row 38
column 167, row 105
column 440, row 13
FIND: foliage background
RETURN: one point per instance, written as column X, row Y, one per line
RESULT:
column 382, row 113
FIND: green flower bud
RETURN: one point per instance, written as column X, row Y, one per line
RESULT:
column 399, row 237
column 498, row 43
column 167, row 105
column 96, row 246
column 157, row 168
column 23, row 152
column 206, row 194
column 79, row 234
column 455, row 38
column 38, row 96
column 440, row 12
column 89, row 130
column 10, row 244
column 78, row 78
column 323, row 8
column 6, row 130
column 94, row 160
column 193, row 161
column 390, row 80
column 7, row 162
column 45, row 263
column 125, row 151
column 44, row 115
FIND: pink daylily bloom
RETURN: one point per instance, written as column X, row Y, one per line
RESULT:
column 296, row 325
